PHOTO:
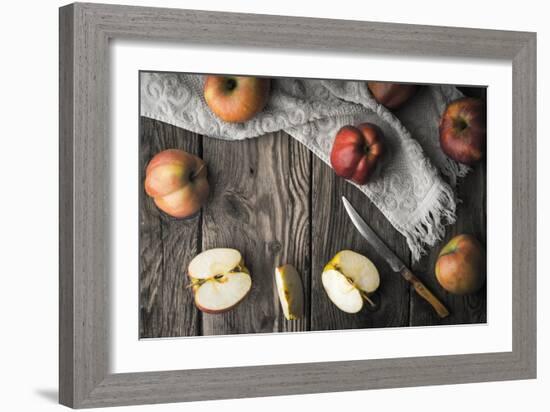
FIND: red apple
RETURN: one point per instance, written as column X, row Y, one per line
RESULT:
column 356, row 151
column 177, row 182
column 236, row 98
column 391, row 95
column 462, row 130
column 460, row 267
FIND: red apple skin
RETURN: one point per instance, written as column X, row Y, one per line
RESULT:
column 236, row 99
column 215, row 312
column 460, row 267
column 392, row 95
column 462, row 130
column 177, row 182
column 356, row 151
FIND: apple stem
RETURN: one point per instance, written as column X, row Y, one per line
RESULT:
column 195, row 282
column 370, row 302
column 198, row 171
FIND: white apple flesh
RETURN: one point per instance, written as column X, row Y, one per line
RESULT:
column 219, row 279
column 342, row 292
column 290, row 290
column 223, row 292
column 349, row 278
column 214, row 262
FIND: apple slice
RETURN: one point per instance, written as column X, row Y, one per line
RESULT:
column 214, row 262
column 223, row 292
column 349, row 278
column 219, row 279
column 290, row 290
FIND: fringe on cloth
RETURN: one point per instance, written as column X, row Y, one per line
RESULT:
column 429, row 227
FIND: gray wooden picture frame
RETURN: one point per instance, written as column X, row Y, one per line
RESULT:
column 85, row 31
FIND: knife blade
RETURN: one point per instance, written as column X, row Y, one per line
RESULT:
column 371, row 237
column 391, row 258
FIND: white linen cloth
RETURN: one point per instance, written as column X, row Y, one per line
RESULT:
column 407, row 187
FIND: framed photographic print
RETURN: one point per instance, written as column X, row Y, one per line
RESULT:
column 240, row 192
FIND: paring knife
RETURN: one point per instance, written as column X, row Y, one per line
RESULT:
column 394, row 262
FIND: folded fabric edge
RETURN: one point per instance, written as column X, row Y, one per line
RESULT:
column 187, row 127
column 429, row 225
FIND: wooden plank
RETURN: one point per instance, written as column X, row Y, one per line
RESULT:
column 66, row 350
column 260, row 205
column 333, row 231
column 166, row 245
column 92, row 384
column 471, row 218
column 307, row 34
column 85, row 161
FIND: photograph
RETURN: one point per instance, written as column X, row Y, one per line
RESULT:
column 276, row 204
column 269, row 206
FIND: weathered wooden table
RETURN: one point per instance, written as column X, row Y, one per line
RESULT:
column 277, row 203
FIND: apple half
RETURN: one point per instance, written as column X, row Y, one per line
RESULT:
column 290, row 290
column 349, row 278
column 219, row 279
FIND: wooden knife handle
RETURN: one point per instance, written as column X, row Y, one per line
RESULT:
column 423, row 291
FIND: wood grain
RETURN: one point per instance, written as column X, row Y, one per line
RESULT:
column 260, row 206
column 332, row 231
column 277, row 203
column 66, row 350
column 471, row 218
column 166, row 245
column 85, row 34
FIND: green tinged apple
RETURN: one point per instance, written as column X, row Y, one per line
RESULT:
column 461, row 266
